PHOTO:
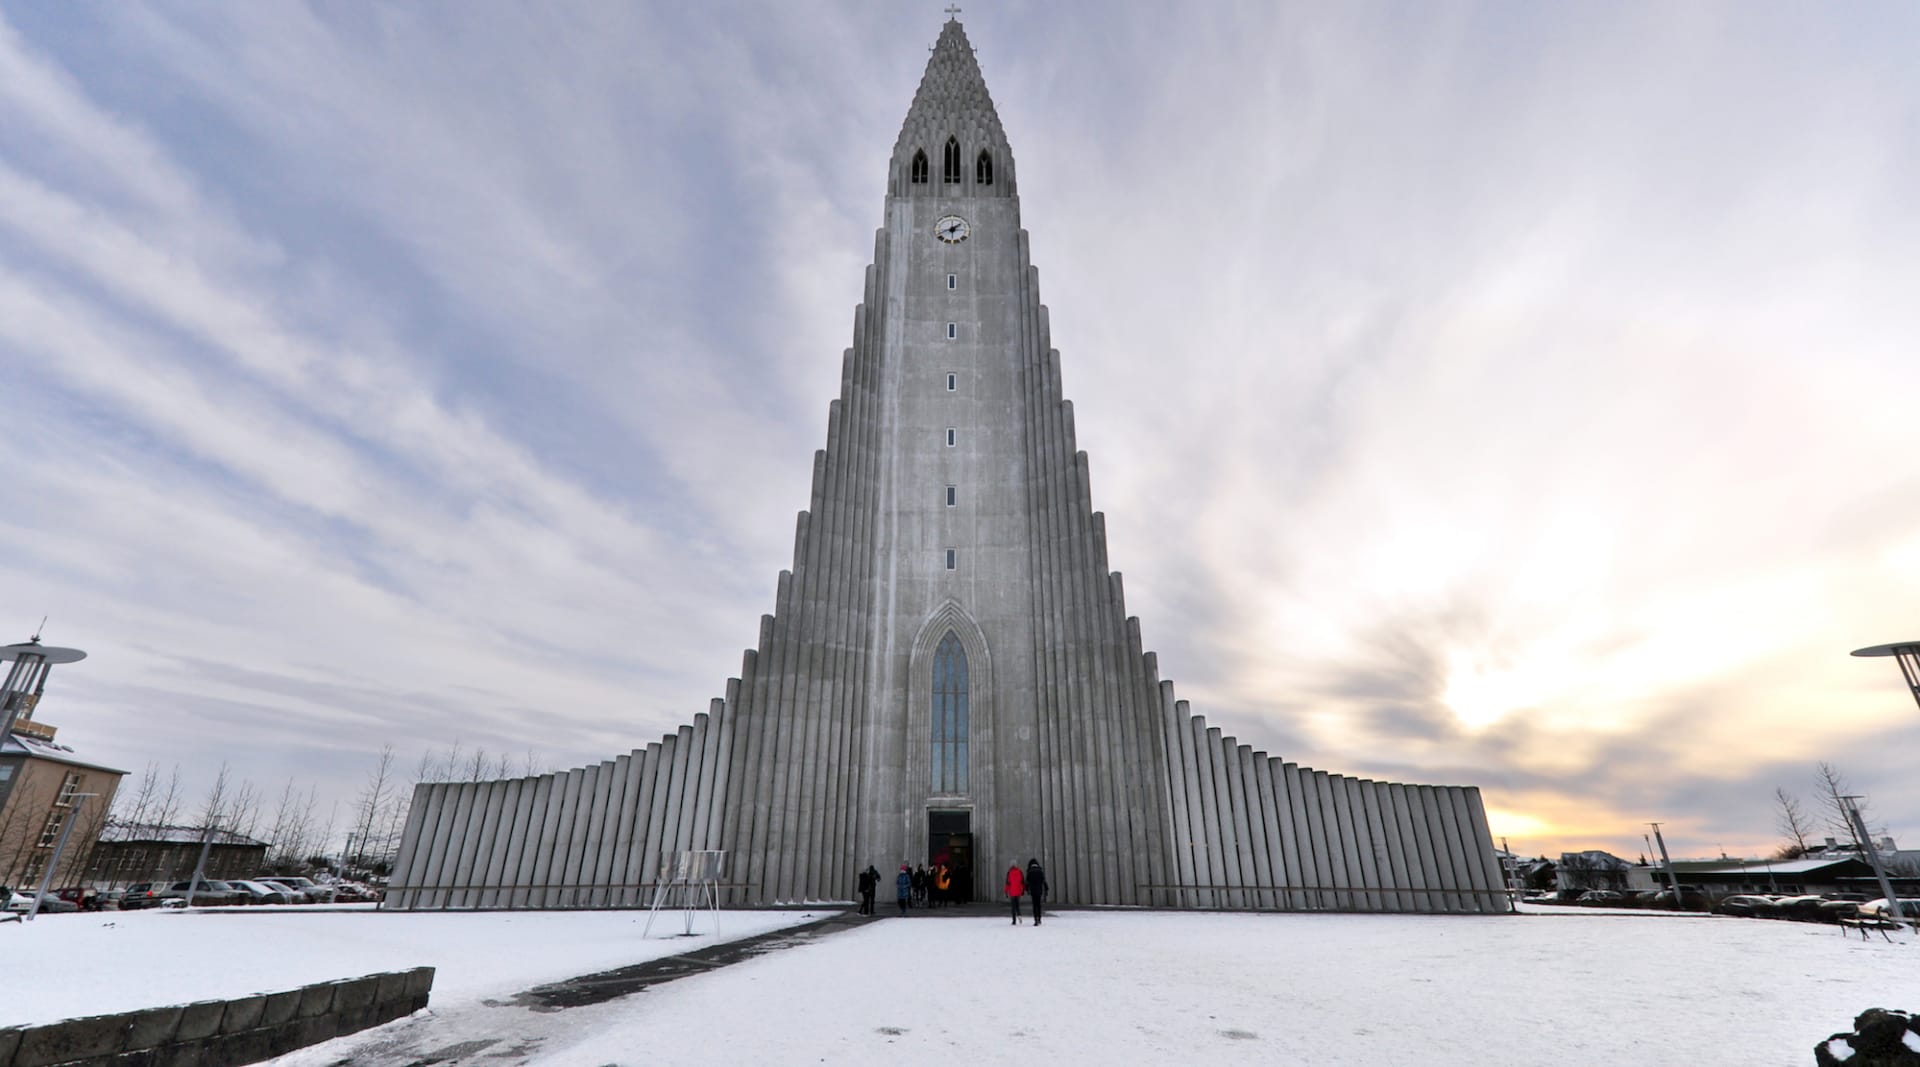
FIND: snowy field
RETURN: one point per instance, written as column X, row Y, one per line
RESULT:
column 98, row 963
column 1113, row 987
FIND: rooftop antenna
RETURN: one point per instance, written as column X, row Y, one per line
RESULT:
column 38, row 630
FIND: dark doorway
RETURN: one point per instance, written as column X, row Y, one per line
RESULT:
column 950, row 841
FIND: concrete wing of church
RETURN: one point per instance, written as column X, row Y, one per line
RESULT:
column 949, row 673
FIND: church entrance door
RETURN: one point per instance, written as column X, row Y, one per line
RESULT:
column 950, row 841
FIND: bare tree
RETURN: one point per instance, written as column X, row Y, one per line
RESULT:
column 292, row 832
column 20, row 827
column 243, row 811
column 373, row 799
column 134, row 807
column 166, row 800
column 1793, row 823
column 324, row 841
column 214, row 806
column 1834, row 791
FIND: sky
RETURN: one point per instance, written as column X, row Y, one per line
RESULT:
column 1516, row 395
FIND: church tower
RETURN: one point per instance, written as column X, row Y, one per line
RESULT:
column 949, row 671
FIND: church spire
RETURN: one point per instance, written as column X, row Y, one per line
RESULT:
column 952, row 143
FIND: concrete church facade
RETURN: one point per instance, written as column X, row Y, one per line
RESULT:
column 949, row 668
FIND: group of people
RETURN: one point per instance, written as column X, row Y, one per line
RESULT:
column 917, row 887
column 935, row 887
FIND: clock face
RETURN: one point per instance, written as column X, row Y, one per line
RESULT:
column 952, row 229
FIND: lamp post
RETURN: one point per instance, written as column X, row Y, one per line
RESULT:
column 27, row 679
column 1673, row 877
column 1873, row 855
column 53, row 864
column 1907, row 655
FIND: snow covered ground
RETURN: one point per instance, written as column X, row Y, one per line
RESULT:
column 61, row 966
column 1566, row 984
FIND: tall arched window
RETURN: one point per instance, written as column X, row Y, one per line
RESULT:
column 951, row 168
column 949, row 716
column 919, row 176
column 983, row 169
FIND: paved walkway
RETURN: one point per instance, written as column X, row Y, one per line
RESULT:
column 499, row 1033
column 607, row 985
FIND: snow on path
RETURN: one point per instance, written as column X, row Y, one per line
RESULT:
column 61, row 966
column 1157, row 988
column 1117, row 987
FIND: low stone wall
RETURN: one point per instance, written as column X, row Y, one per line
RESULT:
column 220, row 1033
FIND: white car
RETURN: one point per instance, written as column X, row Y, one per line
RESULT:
column 1878, row 909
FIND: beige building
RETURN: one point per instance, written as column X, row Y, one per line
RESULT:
column 40, row 783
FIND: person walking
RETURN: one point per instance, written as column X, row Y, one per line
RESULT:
column 903, row 887
column 869, row 882
column 942, row 885
column 1016, row 884
column 1036, row 886
column 919, row 887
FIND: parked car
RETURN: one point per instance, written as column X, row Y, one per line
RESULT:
column 1878, row 909
column 355, row 893
column 142, row 895
column 23, row 902
column 1804, row 908
column 315, row 892
column 1747, row 906
column 1691, row 899
column 263, row 892
column 1601, row 898
column 211, row 893
column 300, row 896
column 1834, row 908
column 84, row 897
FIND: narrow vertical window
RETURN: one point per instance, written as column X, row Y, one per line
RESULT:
column 953, row 495
column 953, row 559
column 953, row 382
column 983, row 169
column 953, row 437
column 950, row 166
column 953, row 281
column 919, row 176
column 953, row 330
column 949, row 721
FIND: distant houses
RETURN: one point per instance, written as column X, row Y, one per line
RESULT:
column 1835, row 870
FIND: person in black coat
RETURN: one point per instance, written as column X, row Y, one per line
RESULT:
column 869, row 881
column 1036, row 886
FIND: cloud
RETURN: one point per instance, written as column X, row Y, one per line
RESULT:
column 1517, row 398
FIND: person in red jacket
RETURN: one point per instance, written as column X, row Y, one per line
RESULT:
column 1016, row 885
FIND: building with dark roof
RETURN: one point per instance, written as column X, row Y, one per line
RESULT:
column 127, row 854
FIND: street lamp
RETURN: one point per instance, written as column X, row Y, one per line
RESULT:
column 79, row 801
column 1907, row 654
column 1873, row 855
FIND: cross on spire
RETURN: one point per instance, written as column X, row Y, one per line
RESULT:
column 953, row 11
